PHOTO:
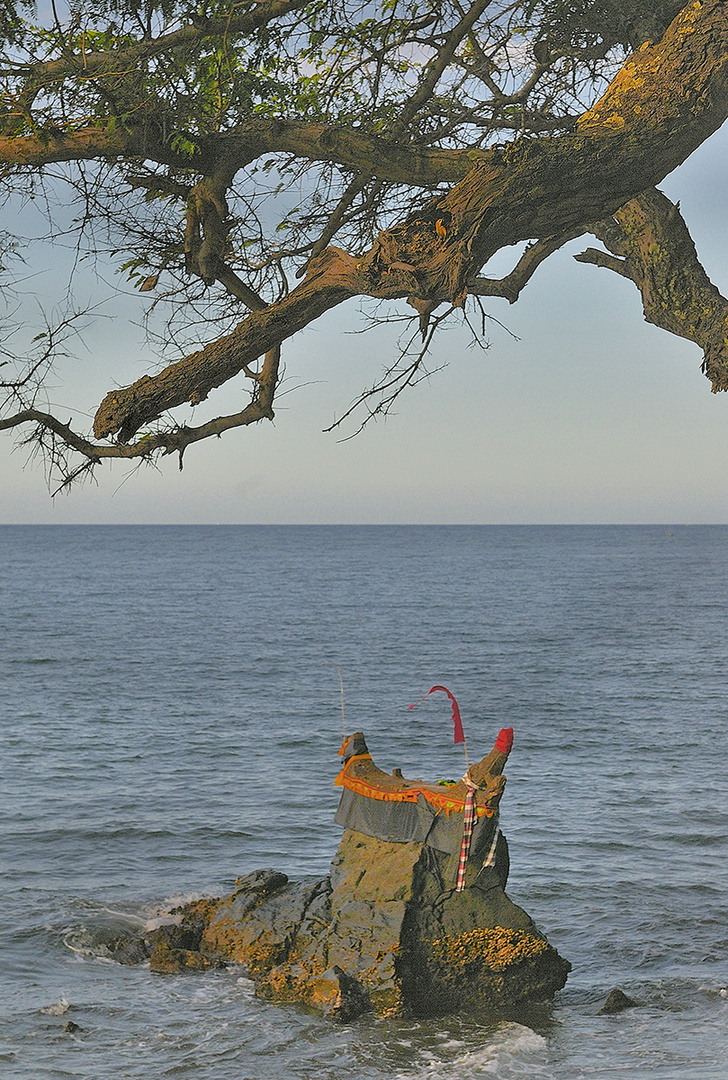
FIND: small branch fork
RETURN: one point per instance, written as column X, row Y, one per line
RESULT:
column 511, row 287
column 175, row 440
column 396, row 378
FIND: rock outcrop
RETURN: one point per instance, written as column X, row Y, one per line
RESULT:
column 617, row 1001
column 393, row 928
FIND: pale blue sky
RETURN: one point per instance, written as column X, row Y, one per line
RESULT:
column 591, row 416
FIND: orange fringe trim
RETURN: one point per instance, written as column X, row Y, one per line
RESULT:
column 410, row 794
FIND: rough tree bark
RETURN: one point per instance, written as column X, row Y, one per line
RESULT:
column 650, row 244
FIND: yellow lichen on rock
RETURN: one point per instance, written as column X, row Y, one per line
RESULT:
column 496, row 948
column 166, row 960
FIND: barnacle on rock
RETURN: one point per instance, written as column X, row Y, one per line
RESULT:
column 496, row 948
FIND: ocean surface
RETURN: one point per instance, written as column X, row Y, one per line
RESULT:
column 170, row 717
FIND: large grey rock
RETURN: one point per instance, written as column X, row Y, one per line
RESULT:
column 387, row 930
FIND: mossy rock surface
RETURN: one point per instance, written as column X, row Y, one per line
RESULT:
column 385, row 932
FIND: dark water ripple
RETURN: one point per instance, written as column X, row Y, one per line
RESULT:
column 170, row 719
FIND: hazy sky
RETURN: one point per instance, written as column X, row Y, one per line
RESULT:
column 590, row 416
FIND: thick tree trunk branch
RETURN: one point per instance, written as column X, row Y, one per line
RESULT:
column 331, row 280
column 389, row 160
column 655, row 250
column 663, row 103
column 175, row 440
column 85, row 144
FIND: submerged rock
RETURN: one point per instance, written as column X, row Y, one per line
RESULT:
column 129, row 950
column 617, row 1001
column 410, row 920
column 171, row 947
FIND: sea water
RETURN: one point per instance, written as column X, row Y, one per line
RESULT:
column 171, row 714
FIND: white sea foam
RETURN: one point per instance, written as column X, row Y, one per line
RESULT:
column 164, row 913
column 164, row 919
column 58, row 1008
column 515, row 1052
column 124, row 916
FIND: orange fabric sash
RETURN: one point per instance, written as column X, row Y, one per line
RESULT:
column 379, row 788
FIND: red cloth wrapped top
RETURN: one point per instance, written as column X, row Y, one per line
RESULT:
column 504, row 742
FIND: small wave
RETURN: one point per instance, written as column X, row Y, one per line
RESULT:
column 164, row 918
column 515, row 1053
column 123, row 916
column 84, row 943
column 166, row 912
column 247, row 984
column 100, row 930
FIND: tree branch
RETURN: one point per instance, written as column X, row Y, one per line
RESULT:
column 175, row 440
column 638, row 132
column 84, row 144
column 511, row 286
column 372, row 156
column 655, row 250
column 328, row 283
column 90, row 64
column 435, row 70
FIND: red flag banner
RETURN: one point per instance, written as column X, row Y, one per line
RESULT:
column 457, row 722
